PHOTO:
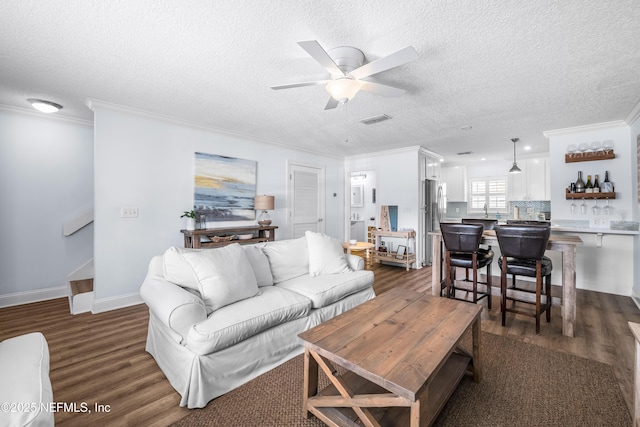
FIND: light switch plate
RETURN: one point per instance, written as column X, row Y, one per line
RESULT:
column 129, row 212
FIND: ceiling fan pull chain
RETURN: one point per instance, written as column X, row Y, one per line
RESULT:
column 346, row 128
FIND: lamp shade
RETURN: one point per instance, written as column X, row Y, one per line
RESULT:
column 265, row 203
column 343, row 89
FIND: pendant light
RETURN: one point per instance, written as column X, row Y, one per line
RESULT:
column 514, row 168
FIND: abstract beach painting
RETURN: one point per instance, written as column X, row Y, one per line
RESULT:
column 224, row 187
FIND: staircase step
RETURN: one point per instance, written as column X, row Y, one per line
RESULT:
column 81, row 286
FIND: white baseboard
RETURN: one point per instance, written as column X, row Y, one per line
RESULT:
column 114, row 303
column 28, row 297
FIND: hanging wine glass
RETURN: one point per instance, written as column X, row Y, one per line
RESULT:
column 595, row 209
column 607, row 208
column 573, row 207
column 596, row 146
column 583, row 207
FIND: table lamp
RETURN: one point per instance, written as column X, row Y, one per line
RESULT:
column 264, row 203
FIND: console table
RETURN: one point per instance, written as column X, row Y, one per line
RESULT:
column 193, row 238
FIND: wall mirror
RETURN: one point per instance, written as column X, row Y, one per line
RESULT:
column 357, row 199
column 361, row 206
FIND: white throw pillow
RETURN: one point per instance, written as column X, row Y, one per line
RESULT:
column 177, row 270
column 326, row 255
column 288, row 258
column 260, row 265
column 224, row 275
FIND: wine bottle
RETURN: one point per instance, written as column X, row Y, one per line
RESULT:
column 596, row 185
column 588, row 187
column 607, row 186
column 579, row 183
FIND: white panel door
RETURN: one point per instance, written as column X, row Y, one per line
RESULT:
column 306, row 204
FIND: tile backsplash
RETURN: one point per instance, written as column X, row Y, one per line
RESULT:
column 459, row 209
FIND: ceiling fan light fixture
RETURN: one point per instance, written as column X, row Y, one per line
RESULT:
column 343, row 89
column 514, row 168
column 44, row 106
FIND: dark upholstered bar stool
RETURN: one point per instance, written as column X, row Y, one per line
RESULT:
column 522, row 250
column 462, row 242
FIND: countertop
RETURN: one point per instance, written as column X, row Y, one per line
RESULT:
column 582, row 226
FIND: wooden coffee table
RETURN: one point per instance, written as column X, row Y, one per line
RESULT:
column 401, row 358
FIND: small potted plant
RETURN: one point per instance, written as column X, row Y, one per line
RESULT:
column 191, row 219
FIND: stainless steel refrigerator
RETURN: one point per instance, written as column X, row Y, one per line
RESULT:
column 433, row 214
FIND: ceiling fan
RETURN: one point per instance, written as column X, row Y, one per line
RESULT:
column 345, row 64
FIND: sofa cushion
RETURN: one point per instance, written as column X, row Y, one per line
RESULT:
column 224, row 275
column 326, row 255
column 325, row 290
column 260, row 265
column 287, row 258
column 24, row 369
column 244, row 319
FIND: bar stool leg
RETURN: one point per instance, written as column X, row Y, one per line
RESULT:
column 503, row 291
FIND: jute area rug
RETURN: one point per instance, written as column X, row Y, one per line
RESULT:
column 522, row 385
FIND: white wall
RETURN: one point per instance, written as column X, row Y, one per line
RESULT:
column 46, row 179
column 634, row 136
column 148, row 163
column 621, row 170
column 398, row 182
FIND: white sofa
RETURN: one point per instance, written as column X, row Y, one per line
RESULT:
column 26, row 393
column 221, row 317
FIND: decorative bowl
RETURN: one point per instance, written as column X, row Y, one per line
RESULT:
column 353, row 241
column 245, row 236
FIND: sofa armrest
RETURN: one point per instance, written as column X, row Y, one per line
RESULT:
column 174, row 306
column 355, row 262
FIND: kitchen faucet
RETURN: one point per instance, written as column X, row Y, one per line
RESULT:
column 486, row 214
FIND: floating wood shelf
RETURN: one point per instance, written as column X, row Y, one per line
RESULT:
column 588, row 156
column 590, row 196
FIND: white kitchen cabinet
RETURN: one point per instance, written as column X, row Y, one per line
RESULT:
column 456, row 179
column 533, row 182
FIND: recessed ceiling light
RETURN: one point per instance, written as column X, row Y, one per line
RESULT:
column 483, row 159
column 441, row 160
column 527, row 147
column 44, row 106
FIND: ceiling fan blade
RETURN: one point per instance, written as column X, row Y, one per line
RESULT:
column 316, row 51
column 331, row 104
column 292, row 85
column 380, row 89
column 396, row 59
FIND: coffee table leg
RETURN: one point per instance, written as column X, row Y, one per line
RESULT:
column 415, row 413
column 310, row 381
column 477, row 360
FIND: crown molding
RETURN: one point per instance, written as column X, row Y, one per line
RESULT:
column 587, row 128
column 96, row 103
column 39, row 115
column 633, row 115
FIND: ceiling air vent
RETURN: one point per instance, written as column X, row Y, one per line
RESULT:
column 375, row 119
column 464, row 153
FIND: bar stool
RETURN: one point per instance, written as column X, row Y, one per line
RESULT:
column 462, row 243
column 522, row 250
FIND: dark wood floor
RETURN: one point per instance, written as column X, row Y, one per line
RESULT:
column 100, row 359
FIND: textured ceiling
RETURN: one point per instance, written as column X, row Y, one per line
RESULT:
column 506, row 68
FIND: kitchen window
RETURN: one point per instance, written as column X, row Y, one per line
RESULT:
column 490, row 192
